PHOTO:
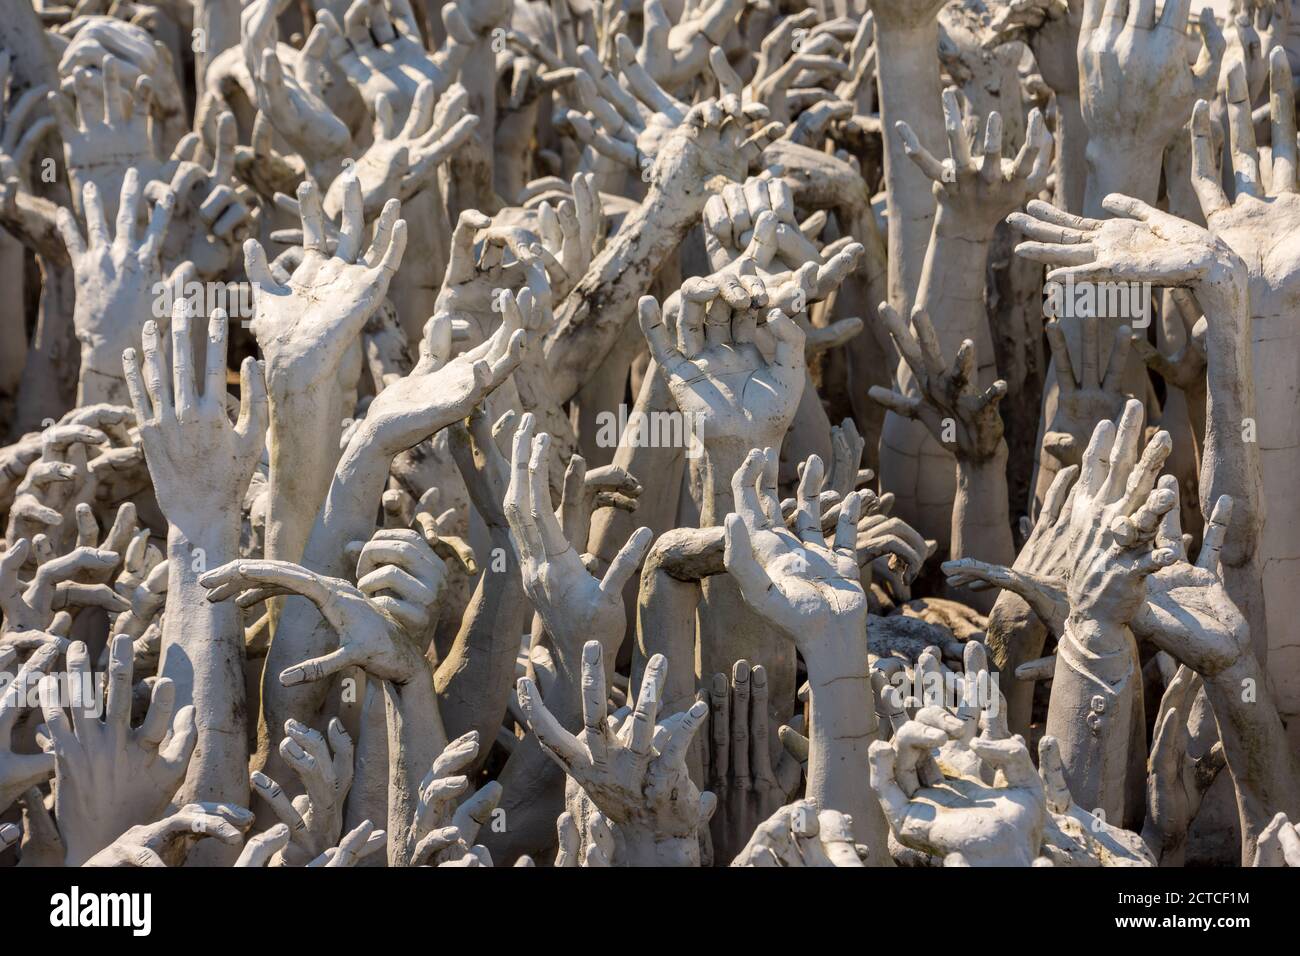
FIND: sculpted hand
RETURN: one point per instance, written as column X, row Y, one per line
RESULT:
column 975, row 186
column 675, row 54
column 442, row 834
column 439, row 390
column 109, row 776
column 798, row 835
column 293, row 103
column 951, row 404
column 34, row 605
column 380, row 50
column 572, row 604
column 738, row 768
column 215, row 213
column 670, row 142
column 305, row 325
column 1092, row 545
column 168, row 841
column 1075, row 837
column 1264, row 201
column 117, row 282
column 1141, row 244
column 1176, row 781
column 1136, row 88
column 635, row 773
column 714, row 370
column 801, row 585
column 1188, row 611
column 1279, row 844
column 370, row 637
column 314, row 818
column 19, row 771
column 400, row 162
column 199, row 462
column 109, row 132
column 1093, row 393
column 963, row 821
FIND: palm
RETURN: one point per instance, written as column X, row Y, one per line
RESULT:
column 1207, row 629
column 319, row 309
column 1004, row 818
column 1251, row 227
column 735, row 395
column 1163, row 247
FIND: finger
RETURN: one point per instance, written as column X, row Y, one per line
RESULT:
column 720, row 734
column 646, row 711
column 626, row 562
column 1282, row 113
column 557, row 741
column 1205, row 171
column 1241, row 135
column 594, row 698
column 183, row 384
column 1215, row 532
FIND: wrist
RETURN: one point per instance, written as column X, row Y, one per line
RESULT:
column 643, row 845
column 984, row 481
column 1120, row 166
column 1101, row 645
column 198, row 542
column 969, row 240
column 839, row 657
column 1222, row 292
column 907, row 35
column 1232, row 671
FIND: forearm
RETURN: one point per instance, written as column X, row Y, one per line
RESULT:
column 843, row 725
column 219, row 20
column 907, row 65
column 1230, row 462
column 666, row 608
column 1120, row 168
column 1015, row 635
column 415, row 739
column 952, row 285
column 729, row 629
column 665, row 622
column 1094, row 702
column 203, row 654
column 590, row 318
column 300, row 632
column 350, row 504
column 1264, row 772
column 1071, row 145
column 981, row 521
column 532, row 782
column 476, row 679
column 303, row 443
column 33, row 221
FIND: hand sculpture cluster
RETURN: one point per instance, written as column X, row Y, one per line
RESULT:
column 319, row 541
